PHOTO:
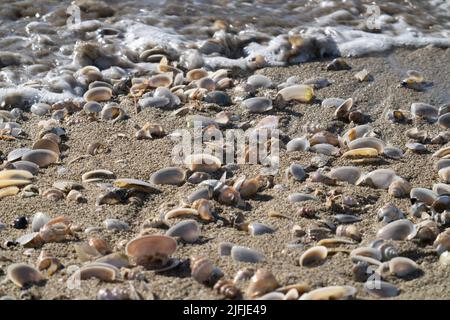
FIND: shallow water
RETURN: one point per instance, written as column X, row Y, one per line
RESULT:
column 40, row 41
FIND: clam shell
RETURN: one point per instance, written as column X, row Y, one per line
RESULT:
column 15, row 174
column 332, row 102
column 380, row 178
column 39, row 220
column 441, row 152
column 257, row 104
column 300, row 92
column 8, row 191
column 299, row 197
column 206, row 83
column 41, row 157
column 224, row 248
column 381, row 289
column 202, row 269
column 398, row 230
column 102, row 271
column 98, row 94
column 154, row 102
column 169, row 175
column 393, row 152
column 196, row 74
column 330, row 293
column 361, row 153
column 442, row 163
column 423, row 195
column 402, row 267
column 244, row 254
column 22, row 274
column 116, row 224
column 324, row 137
column 389, row 213
column 444, row 174
column 46, row 144
column 425, row 111
column 150, row 248
column 5, row 183
column 297, row 172
column 441, row 188
column 40, row 109
column 444, row 121
column 399, row 188
column 343, row 110
column 313, row 256
column 256, row 228
column 92, row 107
column 188, row 230
column 325, row 148
column 367, row 252
column 261, row 282
column 117, row 259
column 259, row 81
column 161, row 80
column 367, row 142
column 218, row 97
column 135, row 184
column 202, row 162
column 298, row 144
column 31, row 167
column 349, row 174
column 112, row 112
column 97, row 175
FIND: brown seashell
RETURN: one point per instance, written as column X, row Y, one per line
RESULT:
column 229, row 196
column 227, row 288
column 151, row 250
column 100, row 245
column 204, row 209
column 22, row 274
column 262, row 281
column 202, row 269
column 46, row 144
column 349, row 231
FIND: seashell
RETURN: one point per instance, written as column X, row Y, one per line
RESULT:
column 30, row 240
column 247, row 187
column 397, row 116
column 380, row 178
column 203, row 207
column 442, row 163
column 92, row 107
column 53, row 194
column 46, row 261
column 116, row 224
column 243, row 275
column 442, row 242
column 444, row 121
column 346, row 218
column 389, row 212
column 259, row 81
column 202, row 162
column 202, row 193
column 299, row 197
column 269, row 122
column 298, row 144
column 15, row 174
column 112, row 197
column 117, row 259
column 244, row 254
column 325, row 148
column 319, row 177
column 444, row 259
column 98, row 94
column 361, row 153
column 399, row 188
column 301, row 92
column 46, row 144
column 357, row 132
column 198, row 177
column 31, row 167
column 367, row 142
column 362, row 75
column 424, row 111
column 387, row 250
column 367, row 252
column 97, row 175
column 381, row 289
column 17, row 154
column 332, row 242
column 324, row 137
column 261, row 282
column 169, row 175
column 206, row 83
column 316, row 83
column 441, row 138
column 416, row 147
column 348, row 174
column 112, row 112
column 337, row 65
column 188, row 230
column 67, row 186
column 330, row 293
column 202, row 269
column 441, row 188
column 343, row 109
column 196, row 74
column 102, row 271
column 402, row 267
column 23, row 275
column 398, row 230
column 100, row 245
column 151, row 250
column 441, row 203
column 161, row 80
column 40, row 109
column 5, row 183
column 8, row 191
column 296, row 171
column 423, row 195
column 313, row 256
column 274, row 295
column 257, row 104
column 256, row 228
column 135, row 184
column 218, row 97
column 227, row 288
column 438, row 154
column 41, row 157
column 85, row 252
column 349, row 231
column 332, row 102
column 229, row 196
column 154, row 102
column 444, row 174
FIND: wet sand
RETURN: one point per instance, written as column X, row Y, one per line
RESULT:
column 131, row 158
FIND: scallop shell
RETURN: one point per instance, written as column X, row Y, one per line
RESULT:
column 330, row 293
column 313, row 256
column 262, row 281
column 398, row 230
column 169, row 175
column 188, row 230
column 41, row 157
column 244, row 254
column 300, row 92
column 22, row 274
column 151, row 249
column 349, row 174
column 202, row 162
column 98, row 94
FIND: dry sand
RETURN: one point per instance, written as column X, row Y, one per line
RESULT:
column 133, row 158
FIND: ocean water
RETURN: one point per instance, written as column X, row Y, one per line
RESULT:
column 43, row 40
